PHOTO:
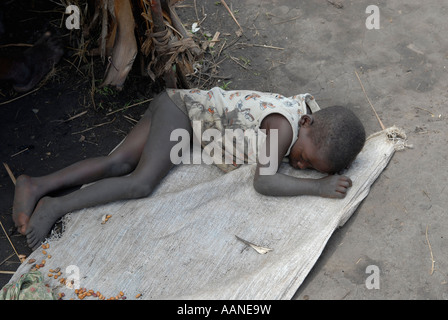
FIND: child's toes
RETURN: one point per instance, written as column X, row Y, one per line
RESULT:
column 22, row 229
column 31, row 238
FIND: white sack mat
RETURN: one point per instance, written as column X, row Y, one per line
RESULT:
column 181, row 242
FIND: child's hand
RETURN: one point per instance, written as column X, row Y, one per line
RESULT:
column 334, row 186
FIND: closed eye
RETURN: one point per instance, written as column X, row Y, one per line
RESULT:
column 304, row 161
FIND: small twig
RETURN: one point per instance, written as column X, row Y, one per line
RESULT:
column 7, row 272
column 259, row 249
column 19, row 97
column 12, row 254
column 174, row 30
column 92, row 89
column 231, row 13
column 219, row 62
column 371, row 105
column 239, row 63
column 220, row 50
column 130, row 119
column 10, row 241
column 15, row 154
column 232, row 43
column 75, row 116
column 284, row 21
column 430, row 250
column 203, row 19
column 278, row 64
column 212, row 76
column 260, row 45
column 127, row 107
column 338, row 5
column 215, row 39
column 425, row 110
column 77, row 69
column 95, row 126
column 196, row 10
column 11, row 175
column 16, row 45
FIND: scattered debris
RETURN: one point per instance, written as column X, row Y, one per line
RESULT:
column 23, row 95
column 337, row 5
column 11, row 175
column 195, row 28
column 237, row 61
column 239, row 32
column 95, row 126
column 430, row 251
column 420, row 130
column 151, row 27
column 371, row 105
column 6, row 272
column 105, row 218
column 22, row 151
column 398, row 137
column 214, row 39
column 260, row 250
column 75, row 116
column 21, row 257
column 287, row 20
column 432, row 114
column 414, row 48
column 132, row 105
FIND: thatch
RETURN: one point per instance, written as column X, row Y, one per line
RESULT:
column 167, row 48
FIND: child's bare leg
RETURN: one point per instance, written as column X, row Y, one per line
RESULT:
column 154, row 164
column 122, row 161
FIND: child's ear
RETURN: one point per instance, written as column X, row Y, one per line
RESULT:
column 305, row 120
column 345, row 169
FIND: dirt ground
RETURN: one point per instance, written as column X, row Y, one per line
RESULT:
column 287, row 47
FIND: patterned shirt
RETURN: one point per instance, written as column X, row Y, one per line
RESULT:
column 228, row 111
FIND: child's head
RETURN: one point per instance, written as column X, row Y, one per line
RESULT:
column 329, row 140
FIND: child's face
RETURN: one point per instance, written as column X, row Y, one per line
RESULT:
column 305, row 155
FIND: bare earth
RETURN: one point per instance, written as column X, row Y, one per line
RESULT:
column 287, row 47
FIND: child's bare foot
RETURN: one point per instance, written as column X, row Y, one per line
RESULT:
column 25, row 199
column 40, row 59
column 42, row 219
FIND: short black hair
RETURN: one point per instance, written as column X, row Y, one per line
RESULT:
column 339, row 134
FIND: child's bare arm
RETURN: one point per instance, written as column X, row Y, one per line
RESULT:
column 331, row 186
column 278, row 184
